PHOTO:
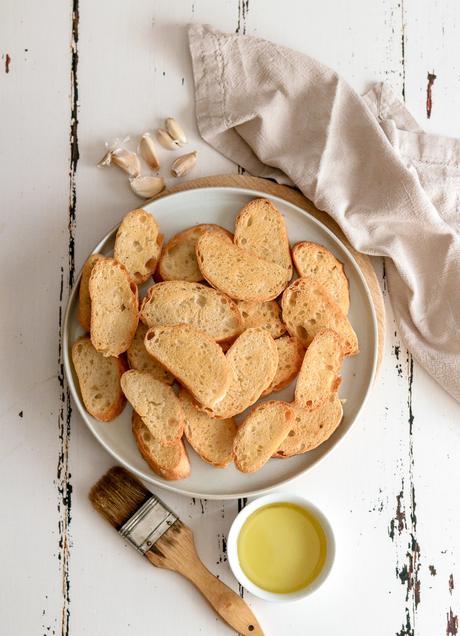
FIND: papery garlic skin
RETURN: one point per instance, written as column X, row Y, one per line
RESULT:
column 116, row 145
column 148, row 186
column 175, row 130
column 106, row 159
column 182, row 165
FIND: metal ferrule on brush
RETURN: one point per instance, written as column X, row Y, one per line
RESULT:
column 147, row 524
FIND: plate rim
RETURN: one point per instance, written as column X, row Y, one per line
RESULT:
column 175, row 486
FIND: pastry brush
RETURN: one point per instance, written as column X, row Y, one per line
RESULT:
column 155, row 531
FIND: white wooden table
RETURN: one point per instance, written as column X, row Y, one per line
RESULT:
column 73, row 75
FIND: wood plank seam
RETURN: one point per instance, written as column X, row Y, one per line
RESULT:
column 63, row 483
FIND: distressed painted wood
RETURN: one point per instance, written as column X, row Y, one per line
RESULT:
column 73, row 75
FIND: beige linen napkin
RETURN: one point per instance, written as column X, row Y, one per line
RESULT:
column 392, row 188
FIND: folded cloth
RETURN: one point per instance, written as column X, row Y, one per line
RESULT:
column 393, row 189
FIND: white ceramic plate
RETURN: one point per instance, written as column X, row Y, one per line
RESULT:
column 220, row 205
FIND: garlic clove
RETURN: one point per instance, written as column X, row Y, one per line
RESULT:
column 147, row 187
column 175, row 130
column 116, row 145
column 166, row 140
column 127, row 161
column 106, row 159
column 182, row 165
column 148, row 152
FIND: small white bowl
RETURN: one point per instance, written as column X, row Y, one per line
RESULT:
column 232, row 547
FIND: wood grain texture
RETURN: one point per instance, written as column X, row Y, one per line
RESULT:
column 297, row 198
column 176, row 551
column 389, row 489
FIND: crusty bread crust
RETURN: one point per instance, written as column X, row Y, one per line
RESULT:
column 178, row 259
column 194, row 359
column 316, row 261
column 307, row 308
column 236, row 272
column 210, row 438
column 156, row 403
column 319, row 375
column 261, row 230
column 99, row 380
column 84, row 300
column 138, row 245
column 114, row 307
column 290, row 357
column 260, row 434
column 169, row 461
column 180, row 302
column 223, row 339
column 139, row 359
column 309, row 429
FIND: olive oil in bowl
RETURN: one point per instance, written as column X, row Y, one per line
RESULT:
column 281, row 548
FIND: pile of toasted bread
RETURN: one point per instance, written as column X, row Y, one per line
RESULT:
column 225, row 324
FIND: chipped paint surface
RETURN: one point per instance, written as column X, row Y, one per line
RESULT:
column 7, row 63
column 452, row 619
column 243, row 9
column 63, row 477
column 404, row 522
column 452, row 624
column 389, row 487
column 241, row 504
column 401, row 5
column 429, row 93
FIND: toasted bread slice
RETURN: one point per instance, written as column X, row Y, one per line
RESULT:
column 309, row 429
column 253, row 360
column 84, row 304
column 194, row 358
column 178, row 260
column 114, row 307
column 138, row 245
column 156, row 403
column 316, row 261
column 260, row 229
column 260, row 434
column 212, row 439
column 236, row 272
column 169, row 461
column 266, row 315
column 140, row 360
column 308, row 308
column 319, row 376
column 179, row 302
column 290, row 357
column 99, row 380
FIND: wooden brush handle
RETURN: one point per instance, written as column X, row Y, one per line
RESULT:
column 229, row 605
column 175, row 550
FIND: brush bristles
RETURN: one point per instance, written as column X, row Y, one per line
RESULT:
column 118, row 495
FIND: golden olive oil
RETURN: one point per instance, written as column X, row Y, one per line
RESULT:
column 282, row 547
